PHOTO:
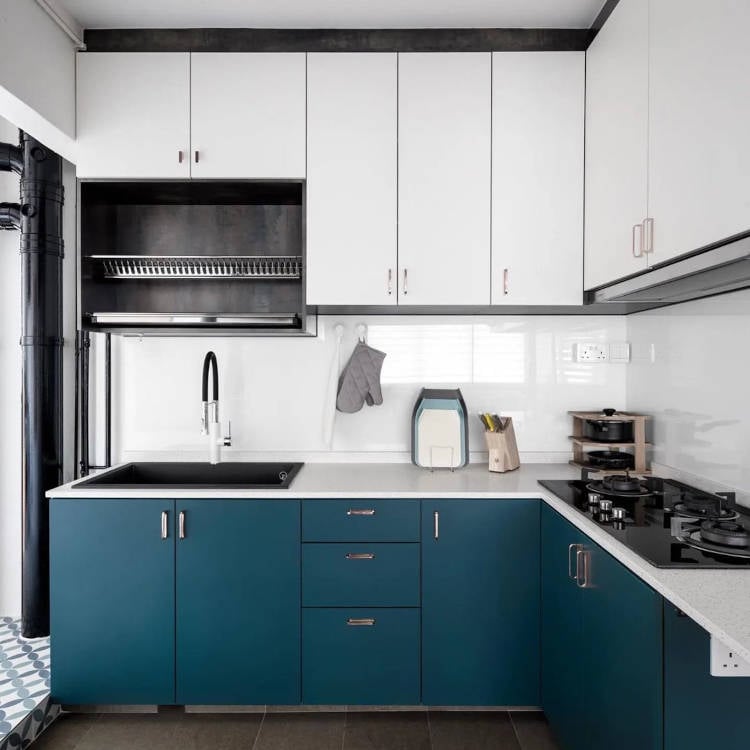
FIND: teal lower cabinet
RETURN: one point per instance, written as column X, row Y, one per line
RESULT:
column 601, row 646
column 112, row 601
column 360, row 656
column 480, row 602
column 700, row 711
column 238, row 602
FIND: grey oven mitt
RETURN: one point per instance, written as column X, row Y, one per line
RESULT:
column 360, row 379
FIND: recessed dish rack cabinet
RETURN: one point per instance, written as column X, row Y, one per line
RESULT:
column 184, row 257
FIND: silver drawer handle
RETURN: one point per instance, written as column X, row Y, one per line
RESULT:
column 577, row 547
column 181, row 524
column 582, row 556
column 360, row 556
column 648, row 230
column 360, row 512
column 361, row 621
column 638, row 230
column 164, row 527
column 436, row 524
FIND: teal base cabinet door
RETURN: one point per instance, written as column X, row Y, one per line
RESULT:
column 480, row 602
column 112, row 601
column 360, row 656
column 238, row 602
column 601, row 646
column 700, row 711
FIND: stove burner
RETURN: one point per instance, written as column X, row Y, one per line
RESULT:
column 708, row 507
column 728, row 533
column 694, row 539
column 619, row 486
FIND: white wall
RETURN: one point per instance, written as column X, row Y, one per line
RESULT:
column 37, row 75
column 275, row 390
column 690, row 372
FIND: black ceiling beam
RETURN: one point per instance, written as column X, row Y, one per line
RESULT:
column 335, row 40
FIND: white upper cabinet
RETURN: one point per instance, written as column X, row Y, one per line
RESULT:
column 133, row 116
column 248, row 115
column 537, row 178
column 351, row 178
column 444, row 152
column 699, row 161
column 177, row 115
column 617, row 145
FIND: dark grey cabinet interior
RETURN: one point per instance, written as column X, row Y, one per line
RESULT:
column 192, row 253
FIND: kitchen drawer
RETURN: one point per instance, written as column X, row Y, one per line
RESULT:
column 360, row 520
column 360, row 656
column 360, row 575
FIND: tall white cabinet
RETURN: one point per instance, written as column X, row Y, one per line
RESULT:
column 351, row 179
column 617, row 145
column 133, row 116
column 537, row 178
column 444, row 158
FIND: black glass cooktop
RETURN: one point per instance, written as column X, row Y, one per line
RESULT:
column 657, row 517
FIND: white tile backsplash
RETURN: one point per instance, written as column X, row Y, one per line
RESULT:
column 690, row 372
column 275, row 390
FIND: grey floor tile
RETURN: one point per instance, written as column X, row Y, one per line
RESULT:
column 217, row 731
column 387, row 731
column 533, row 731
column 65, row 733
column 296, row 731
column 132, row 732
column 472, row 730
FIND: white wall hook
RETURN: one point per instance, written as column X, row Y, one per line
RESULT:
column 362, row 333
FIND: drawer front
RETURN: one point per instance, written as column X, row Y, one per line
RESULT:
column 360, row 520
column 360, row 574
column 360, row 656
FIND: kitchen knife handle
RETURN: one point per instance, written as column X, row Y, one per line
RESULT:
column 181, row 524
column 164, row 524
column 638, row 229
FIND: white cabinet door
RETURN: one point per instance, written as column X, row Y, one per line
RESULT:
column 248, row 115
column 537, row 178
column 616, row 145
column 351, row 184
column 133, row 114
column 444, row 153
column 699, row 158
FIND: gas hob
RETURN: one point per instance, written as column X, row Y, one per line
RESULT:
column 668, row 523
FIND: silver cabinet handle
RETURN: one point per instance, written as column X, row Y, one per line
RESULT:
column 582, row 556
column 180, row 156
column 638, row 229
column 578, row 548
column 390, row 281
column 197, row 156
column 648, row 230
column 360, row 512
column 506, row 276
column 164, row 524
column 360, row 556
column 181, row 524
column 361, row 621
column 436, row 524
column 406, row 278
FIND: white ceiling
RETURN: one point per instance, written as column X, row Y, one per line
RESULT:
column 322, row 14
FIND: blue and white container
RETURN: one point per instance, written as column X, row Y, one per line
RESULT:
column 440, row 429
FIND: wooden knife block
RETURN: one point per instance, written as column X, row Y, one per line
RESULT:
column 502, row 447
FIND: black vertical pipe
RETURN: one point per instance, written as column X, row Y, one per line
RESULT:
column 42, row 253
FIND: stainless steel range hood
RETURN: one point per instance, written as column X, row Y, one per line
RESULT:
column 721, row 268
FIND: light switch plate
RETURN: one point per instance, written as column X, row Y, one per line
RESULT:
column 726, row 662
column 592, row 352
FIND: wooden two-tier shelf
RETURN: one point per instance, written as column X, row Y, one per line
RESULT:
column 581, row 443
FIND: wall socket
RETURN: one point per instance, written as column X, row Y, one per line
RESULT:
column 726, row 662
column 616, row 352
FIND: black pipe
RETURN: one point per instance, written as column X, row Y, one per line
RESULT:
column 10, row 216
column 210, row 359
column 42, row 253
column 11, row 158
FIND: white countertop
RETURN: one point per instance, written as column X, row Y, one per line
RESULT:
column 718, row 600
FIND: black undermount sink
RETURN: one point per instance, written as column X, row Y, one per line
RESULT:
column 187, row 475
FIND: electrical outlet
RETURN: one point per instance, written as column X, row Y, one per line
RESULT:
column 592, row 352
column 726, row 662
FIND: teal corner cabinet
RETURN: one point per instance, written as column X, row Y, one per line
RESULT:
column 480, row 602
column 700, row 711
column 160, row 602
column 602, row 645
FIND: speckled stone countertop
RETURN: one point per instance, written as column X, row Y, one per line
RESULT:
column 718, row 600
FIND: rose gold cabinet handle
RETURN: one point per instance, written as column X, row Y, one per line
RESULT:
column 390, row 281
column 406, row 291
column 506, row 275
column 181, row 524
column 164, row 524
column 638, row 230
column 179, row 156
column 360, row 512
column 648, row 230
column 360, row 556
column 197, row 156
column 361, row 621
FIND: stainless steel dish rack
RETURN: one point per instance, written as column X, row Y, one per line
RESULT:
column 200, row 266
